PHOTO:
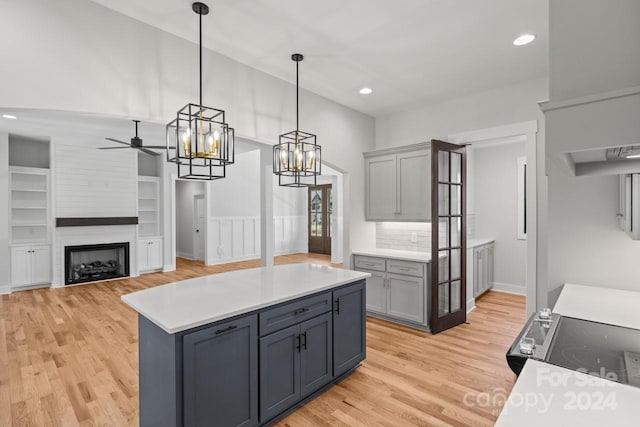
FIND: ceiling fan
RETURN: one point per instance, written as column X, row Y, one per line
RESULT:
column 136, row 143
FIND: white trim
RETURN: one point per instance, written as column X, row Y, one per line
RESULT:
column 184, row 255
column 530, row 130
column 508, row 288
column 397, row 150
column 471, row 305
column 550, row 106
column 516, row 129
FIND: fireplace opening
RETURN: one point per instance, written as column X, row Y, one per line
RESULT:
column 90, row 263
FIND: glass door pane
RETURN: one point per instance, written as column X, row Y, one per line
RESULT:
column 448, row 237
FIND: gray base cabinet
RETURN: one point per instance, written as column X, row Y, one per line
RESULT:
column 252, row 369
column 397, row 290
column 294, row 363
column 225, row 354
column 482, row 268
column 349, row 328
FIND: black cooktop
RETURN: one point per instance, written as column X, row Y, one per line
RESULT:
column 606, row 351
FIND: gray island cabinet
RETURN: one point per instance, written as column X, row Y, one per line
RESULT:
column 245, row 348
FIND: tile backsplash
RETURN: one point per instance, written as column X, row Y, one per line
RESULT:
column 397, row 235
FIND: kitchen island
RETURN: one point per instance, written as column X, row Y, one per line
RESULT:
column 246, row 347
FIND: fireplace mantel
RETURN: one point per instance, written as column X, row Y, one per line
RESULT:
column 93, row 221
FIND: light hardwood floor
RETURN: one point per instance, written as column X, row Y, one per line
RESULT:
column 69, row 357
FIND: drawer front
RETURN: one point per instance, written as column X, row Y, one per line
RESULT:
column 289, row 314
column 370, row 263
column 408, row 268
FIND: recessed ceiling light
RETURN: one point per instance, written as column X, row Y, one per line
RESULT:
column 524, row 39
column 366, row 90
column 9, row 116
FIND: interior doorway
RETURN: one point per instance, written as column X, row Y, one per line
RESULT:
column 320, row 207
column 190, row 219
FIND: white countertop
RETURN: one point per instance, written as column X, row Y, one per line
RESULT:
column 472, row 243
column 549, row 395
column 604, row 305
column 395, row 254
column 190, row 303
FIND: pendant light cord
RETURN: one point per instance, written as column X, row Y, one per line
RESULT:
column 200, row 15
column 297, row 99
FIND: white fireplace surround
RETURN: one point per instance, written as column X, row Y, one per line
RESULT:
column 75, row 236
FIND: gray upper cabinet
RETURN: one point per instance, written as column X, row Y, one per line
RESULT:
column 381, row 188
column 349, row 341
column 398, row 184
column 223, row 354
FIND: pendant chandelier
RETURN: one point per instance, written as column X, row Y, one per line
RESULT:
column 296, row 158
column 199, row 140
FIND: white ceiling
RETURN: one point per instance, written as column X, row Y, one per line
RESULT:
column 411, row 52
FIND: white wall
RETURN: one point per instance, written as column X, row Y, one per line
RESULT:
column 495, row 194
column 498, row 107
column 234, row 206
column 99, row 61
column 594, row 48
column 185, row 191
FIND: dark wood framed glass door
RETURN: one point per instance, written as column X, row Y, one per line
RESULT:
column 320, row 216
column 448, row 231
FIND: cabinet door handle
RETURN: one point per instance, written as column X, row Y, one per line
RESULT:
column 222, row 331
column 300, row 311
column 304, row 343
column 298, row 344
column 338, row 306
column 404, row 268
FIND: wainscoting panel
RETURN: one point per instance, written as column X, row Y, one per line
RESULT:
column 238, row 238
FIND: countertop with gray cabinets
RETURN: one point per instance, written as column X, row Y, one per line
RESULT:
column 398, row 288
column 246, row 347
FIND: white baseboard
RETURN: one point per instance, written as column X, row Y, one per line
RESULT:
column 184, row 255
column 5, row 291
column 508, row 288
column 471, row 305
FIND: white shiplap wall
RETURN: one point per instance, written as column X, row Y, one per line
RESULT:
column 94, row 183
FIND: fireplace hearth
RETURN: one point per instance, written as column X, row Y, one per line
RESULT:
column 90, row 263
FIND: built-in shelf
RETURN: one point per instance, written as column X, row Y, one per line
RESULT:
column 148, row 206
column 30, row 212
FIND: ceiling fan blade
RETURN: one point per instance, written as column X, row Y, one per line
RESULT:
column 119, row 142
column 151, row 153
column 157, row 147
column 111, row 148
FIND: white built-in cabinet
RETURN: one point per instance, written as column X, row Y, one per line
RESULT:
column 483, row 268
column 30, row 265
column 398, row 184
column 29, row 212
column 150, row 242
column 397, row 289
column 150, row 255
